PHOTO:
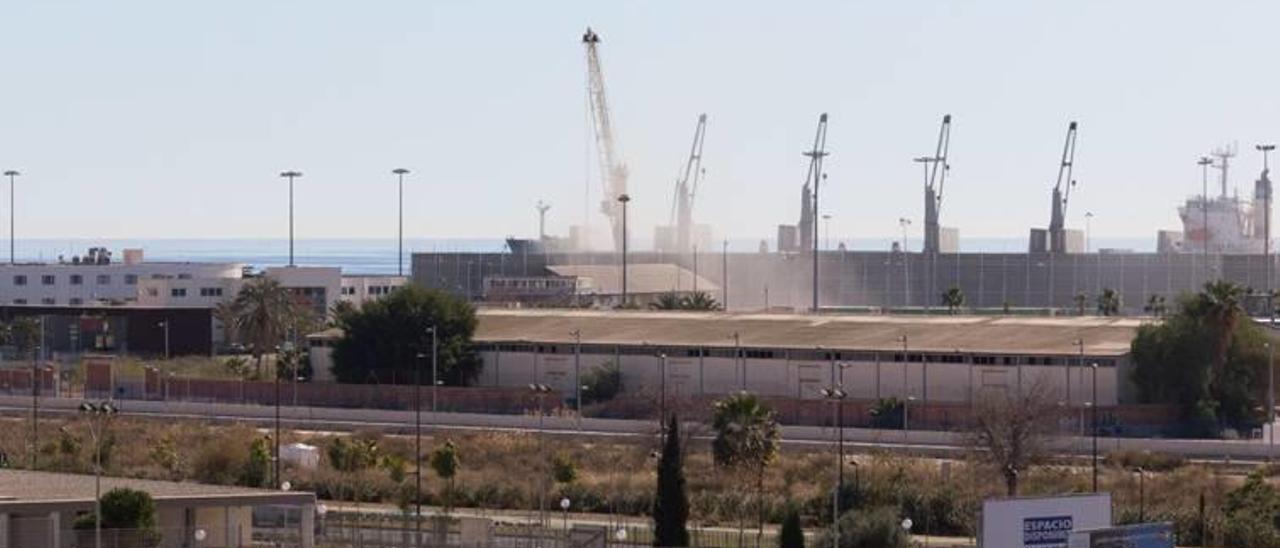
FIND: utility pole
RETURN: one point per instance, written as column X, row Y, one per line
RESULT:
column 400, row 173
column 815, row 176
column 291, row 175
column 904, row 222
column 724, row 275
column 11, row 174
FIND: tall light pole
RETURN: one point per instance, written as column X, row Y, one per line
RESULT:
column 904, row 222
column 1204, row 164
column 435, row 369
column 417, row 448
column 624, row 200
column 1142, row 493
column 400, row 173
column 291, row 175
column 577, row 372
column 836, row 395
column 906, row 363
column 11, row 174
column 99, row 416
column 1271, row 400
column 1093, row 418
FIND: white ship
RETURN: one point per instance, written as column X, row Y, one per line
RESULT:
column 1223, row 224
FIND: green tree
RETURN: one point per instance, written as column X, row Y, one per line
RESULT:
column 124, row 508
column 353, row 454
column 564, row 470
column 671, row 504
column 953, row 299
column 226, row 315
column 1109, row 302
column 264, row 311
column 258, row 466
column 445, row 462
column 1204, row 359
column 746, row 438
column 383, row 339
column 1155, row 306
column 601, row 383
column 1081, row 300
column 791, row 535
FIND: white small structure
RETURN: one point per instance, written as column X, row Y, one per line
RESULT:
column 301, row 455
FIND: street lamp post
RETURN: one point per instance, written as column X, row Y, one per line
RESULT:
column 99, row 416
column 291, row 175
column 539, row 392
column 417, row 449
column 624, row 199
column 724, row 275
column 400, row 173
column 906, row 406
column 435, row 369
column 662, row 403
column 1093, row 417
column 836, row 395
column 739, row 369
column 1271, row 401
column 165, row 324
column 577, row 373
column 1142, row 493
column 11, row 174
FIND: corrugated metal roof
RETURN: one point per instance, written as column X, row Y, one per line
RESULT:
column 983, row 334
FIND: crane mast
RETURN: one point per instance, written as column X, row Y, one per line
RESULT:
column 813, row 177
column 1061, row 194
column 687, row 189
column 935, row 177
column 613, row 173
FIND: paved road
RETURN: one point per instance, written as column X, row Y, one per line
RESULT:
column 401, row 422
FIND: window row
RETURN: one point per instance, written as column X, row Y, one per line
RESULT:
column 74, row 279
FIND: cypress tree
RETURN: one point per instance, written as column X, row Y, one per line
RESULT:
column 791, row 535
column 671, row 507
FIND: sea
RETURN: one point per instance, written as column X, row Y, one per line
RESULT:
column 378, row 255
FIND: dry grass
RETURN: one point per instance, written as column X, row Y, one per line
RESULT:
column 507, row 471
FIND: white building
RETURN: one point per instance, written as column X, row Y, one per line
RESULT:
column 95, row 279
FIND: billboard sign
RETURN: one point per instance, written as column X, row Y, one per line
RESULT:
column 1042, row 522
column 1145, row 535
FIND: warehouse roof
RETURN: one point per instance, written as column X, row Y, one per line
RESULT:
column 987, row 334
column 27, row 488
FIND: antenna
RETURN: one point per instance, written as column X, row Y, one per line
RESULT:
column 1224, row 154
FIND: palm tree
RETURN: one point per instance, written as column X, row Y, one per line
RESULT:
column 1108, row 302
column 667, row 301
column 1155, row 305
column 226, row 314
column 746, row 438
column 700, row 300
column 265, row 311
column 1081, row 300
column 953, row 299
column 1219, row 306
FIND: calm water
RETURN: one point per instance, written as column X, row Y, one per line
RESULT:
column 378, row 256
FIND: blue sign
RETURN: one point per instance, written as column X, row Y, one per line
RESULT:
column 1046, row 531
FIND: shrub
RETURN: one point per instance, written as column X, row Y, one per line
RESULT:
column 887, row 413
column 124, row 508
column 1151, row 462
column 220, row 461
column 873, row 528
column 601, row 383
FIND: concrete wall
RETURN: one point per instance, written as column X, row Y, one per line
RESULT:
column 880, row 377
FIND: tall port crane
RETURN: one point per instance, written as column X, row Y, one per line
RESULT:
column 1057, row 229
column 813, row 177
column 935, row 176
column 687, row 189
column 613, row 173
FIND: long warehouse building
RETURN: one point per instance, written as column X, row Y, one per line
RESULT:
column 938, row 359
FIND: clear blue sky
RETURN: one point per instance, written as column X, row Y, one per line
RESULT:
column 172, row 119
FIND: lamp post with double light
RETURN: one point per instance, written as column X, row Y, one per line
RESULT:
column 836, row 395
column 291, row 175
column 99, row 415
